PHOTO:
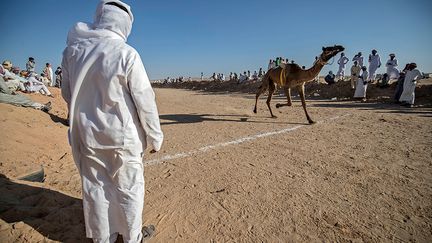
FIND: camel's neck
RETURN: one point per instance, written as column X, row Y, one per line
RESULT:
column 315, row 69
column 311, row 73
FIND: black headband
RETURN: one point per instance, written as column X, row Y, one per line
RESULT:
column 118, row 5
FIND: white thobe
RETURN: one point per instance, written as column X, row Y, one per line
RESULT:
column 51, row 76
column 113, row 116
column 408, row 93
column 359, row 60
column 14, row 81
column 392, row 71
column 342, row 65
column 374, row 64
column 35, row 85
column 360, row 91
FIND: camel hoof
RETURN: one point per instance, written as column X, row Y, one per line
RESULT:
column 311, row 122
column 277, row 106
column 289, row 104
column 255, row 111
column 274, row 117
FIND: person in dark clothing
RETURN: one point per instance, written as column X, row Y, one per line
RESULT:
column 400, row 83
column 330, row 78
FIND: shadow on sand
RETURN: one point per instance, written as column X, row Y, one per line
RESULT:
column 197, row 118
column 425, row 111
column 58, row 119
column 56, row 216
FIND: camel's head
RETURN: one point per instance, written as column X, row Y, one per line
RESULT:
column 331, row 51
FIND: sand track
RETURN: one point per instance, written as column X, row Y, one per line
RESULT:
column 365, row 176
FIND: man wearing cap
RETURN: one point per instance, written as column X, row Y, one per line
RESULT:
column 392, row 63
column 113, row 117
column 13, row 81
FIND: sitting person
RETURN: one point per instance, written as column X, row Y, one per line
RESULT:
column 10, row 97
column 330, row 78
column 383, row 82
column 361, row 87
column 13, row 81
column 35, row 85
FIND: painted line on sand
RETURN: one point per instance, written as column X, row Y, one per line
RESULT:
column 229, row 143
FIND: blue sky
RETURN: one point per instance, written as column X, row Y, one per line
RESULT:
column 191, row 36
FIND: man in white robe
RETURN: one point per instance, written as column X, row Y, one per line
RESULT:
column 49, row 74
column 113, row 116
column 35, row 85
column 392, row 63
column 343, row 60
column 374, row 64
column 408, row 94
column 361, row 86
column 359, row 58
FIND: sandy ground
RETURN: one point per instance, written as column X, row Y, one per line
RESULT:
column 363, row 173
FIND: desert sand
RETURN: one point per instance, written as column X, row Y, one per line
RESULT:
column 363, row 173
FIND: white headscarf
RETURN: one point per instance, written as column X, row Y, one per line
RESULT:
column 107, row 17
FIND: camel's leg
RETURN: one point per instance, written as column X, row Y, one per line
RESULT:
column 272, row 88
column 302, row 97
column 288, row 95
column 260, row 91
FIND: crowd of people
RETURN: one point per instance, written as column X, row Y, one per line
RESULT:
column 361, row 76
column 14, row 80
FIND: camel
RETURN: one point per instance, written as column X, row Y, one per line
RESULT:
column 293, row 76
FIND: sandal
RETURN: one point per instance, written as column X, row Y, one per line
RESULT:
column 148, row 232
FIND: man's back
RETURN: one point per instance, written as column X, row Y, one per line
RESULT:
column 113, row 115
column 105, row 106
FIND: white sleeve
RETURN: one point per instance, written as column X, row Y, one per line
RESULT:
column 145, row 103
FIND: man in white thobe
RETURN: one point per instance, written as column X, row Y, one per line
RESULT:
column 113, row 116
column 361, row 86
column 374, row 64
column 359, row 58
column 392, row 63
column 49, row 74
column 343, row 60
column 35, row 85
column 408, row 94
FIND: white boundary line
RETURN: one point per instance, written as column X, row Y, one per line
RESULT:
column 234, row 142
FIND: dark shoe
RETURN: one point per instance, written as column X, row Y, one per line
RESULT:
column 47, row 107
column 148, row 232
